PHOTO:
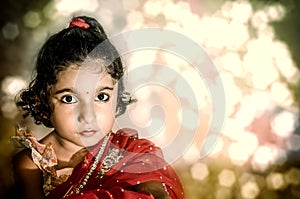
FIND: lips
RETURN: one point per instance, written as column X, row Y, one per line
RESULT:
column 87, row 133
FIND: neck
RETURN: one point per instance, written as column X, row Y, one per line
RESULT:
column 67, row 145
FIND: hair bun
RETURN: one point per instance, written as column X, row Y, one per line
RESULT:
column 79, row 22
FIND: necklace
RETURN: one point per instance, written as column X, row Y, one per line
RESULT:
column 94, row 165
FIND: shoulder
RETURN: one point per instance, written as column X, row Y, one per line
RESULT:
column 24, row 168
column 23, row 160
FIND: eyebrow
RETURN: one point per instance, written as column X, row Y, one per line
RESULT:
column 69, row 90
column 105, row 88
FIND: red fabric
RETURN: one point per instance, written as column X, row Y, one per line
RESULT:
column 142, row 162
column 80, row 23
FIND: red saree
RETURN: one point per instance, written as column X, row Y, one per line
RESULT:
column 125, row 161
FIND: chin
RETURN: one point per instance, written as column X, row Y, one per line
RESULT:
column 89, row 142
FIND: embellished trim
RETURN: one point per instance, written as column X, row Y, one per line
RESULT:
column 42, row 155
column 93, row 166
column 113, row 156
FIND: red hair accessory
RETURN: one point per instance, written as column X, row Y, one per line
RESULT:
column 80, row 23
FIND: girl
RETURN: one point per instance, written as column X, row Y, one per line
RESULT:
column 78, row 91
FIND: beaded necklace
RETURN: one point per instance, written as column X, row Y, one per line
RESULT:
column 94, row 165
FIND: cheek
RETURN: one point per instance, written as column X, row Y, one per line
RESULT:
column 62, row 118
column 105, row 116
column 105, row 113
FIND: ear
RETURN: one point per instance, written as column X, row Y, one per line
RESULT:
column 124, row 100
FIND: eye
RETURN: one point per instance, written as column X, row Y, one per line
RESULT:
column 68, row 99
column 102, row 97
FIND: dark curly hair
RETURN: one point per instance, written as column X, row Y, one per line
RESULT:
column 71, row 45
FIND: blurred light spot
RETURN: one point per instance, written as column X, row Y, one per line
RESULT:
column 11, row 85
column 275, row 181
column 265, row 156
column 66, row 7
column 246, row 177
column 171, row 11
column 250, row 190
column 241, row 11
column 9, row 109
column 213, row 31
column 259, row 53
column 249, row 139
column 32, row 19
column 10, row 31
column 293, row 143
column 248, row 110
column 141, row 58
column 232, row 91
column 130, row 5
column 275, row 12
column 50, row 11
column 284, row 62
column 283, row 124
column 231, row 128
column 199, row 171
column 262, row 158
column 192, row 154
column 226, row 178
column 199, row 95
column 236, row 133
column 135, row 19
column 237, row 154
column 263, row 99
column 105, row 16
column 268, row 33
column 223, row 193
column 237, row 35
column 292, row 176
column 226, row 8
column 152, row 8
column 38, row 36
column 182, row 5
column 192, row 27
column 231, row 62
column 281, row 94
column 259, row 19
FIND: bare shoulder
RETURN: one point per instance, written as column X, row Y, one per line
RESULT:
column 23, row 160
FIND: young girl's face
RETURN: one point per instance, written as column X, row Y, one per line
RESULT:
column 83, row 105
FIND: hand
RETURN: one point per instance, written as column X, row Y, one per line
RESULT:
column 77, row 157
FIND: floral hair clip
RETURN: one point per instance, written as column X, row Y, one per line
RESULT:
column 80, row 23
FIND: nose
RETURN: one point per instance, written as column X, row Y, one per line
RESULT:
column 86, row 113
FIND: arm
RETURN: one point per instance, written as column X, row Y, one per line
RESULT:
column 155, row 188
column 28, row 177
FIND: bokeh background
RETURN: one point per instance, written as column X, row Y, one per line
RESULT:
column 255, row 45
